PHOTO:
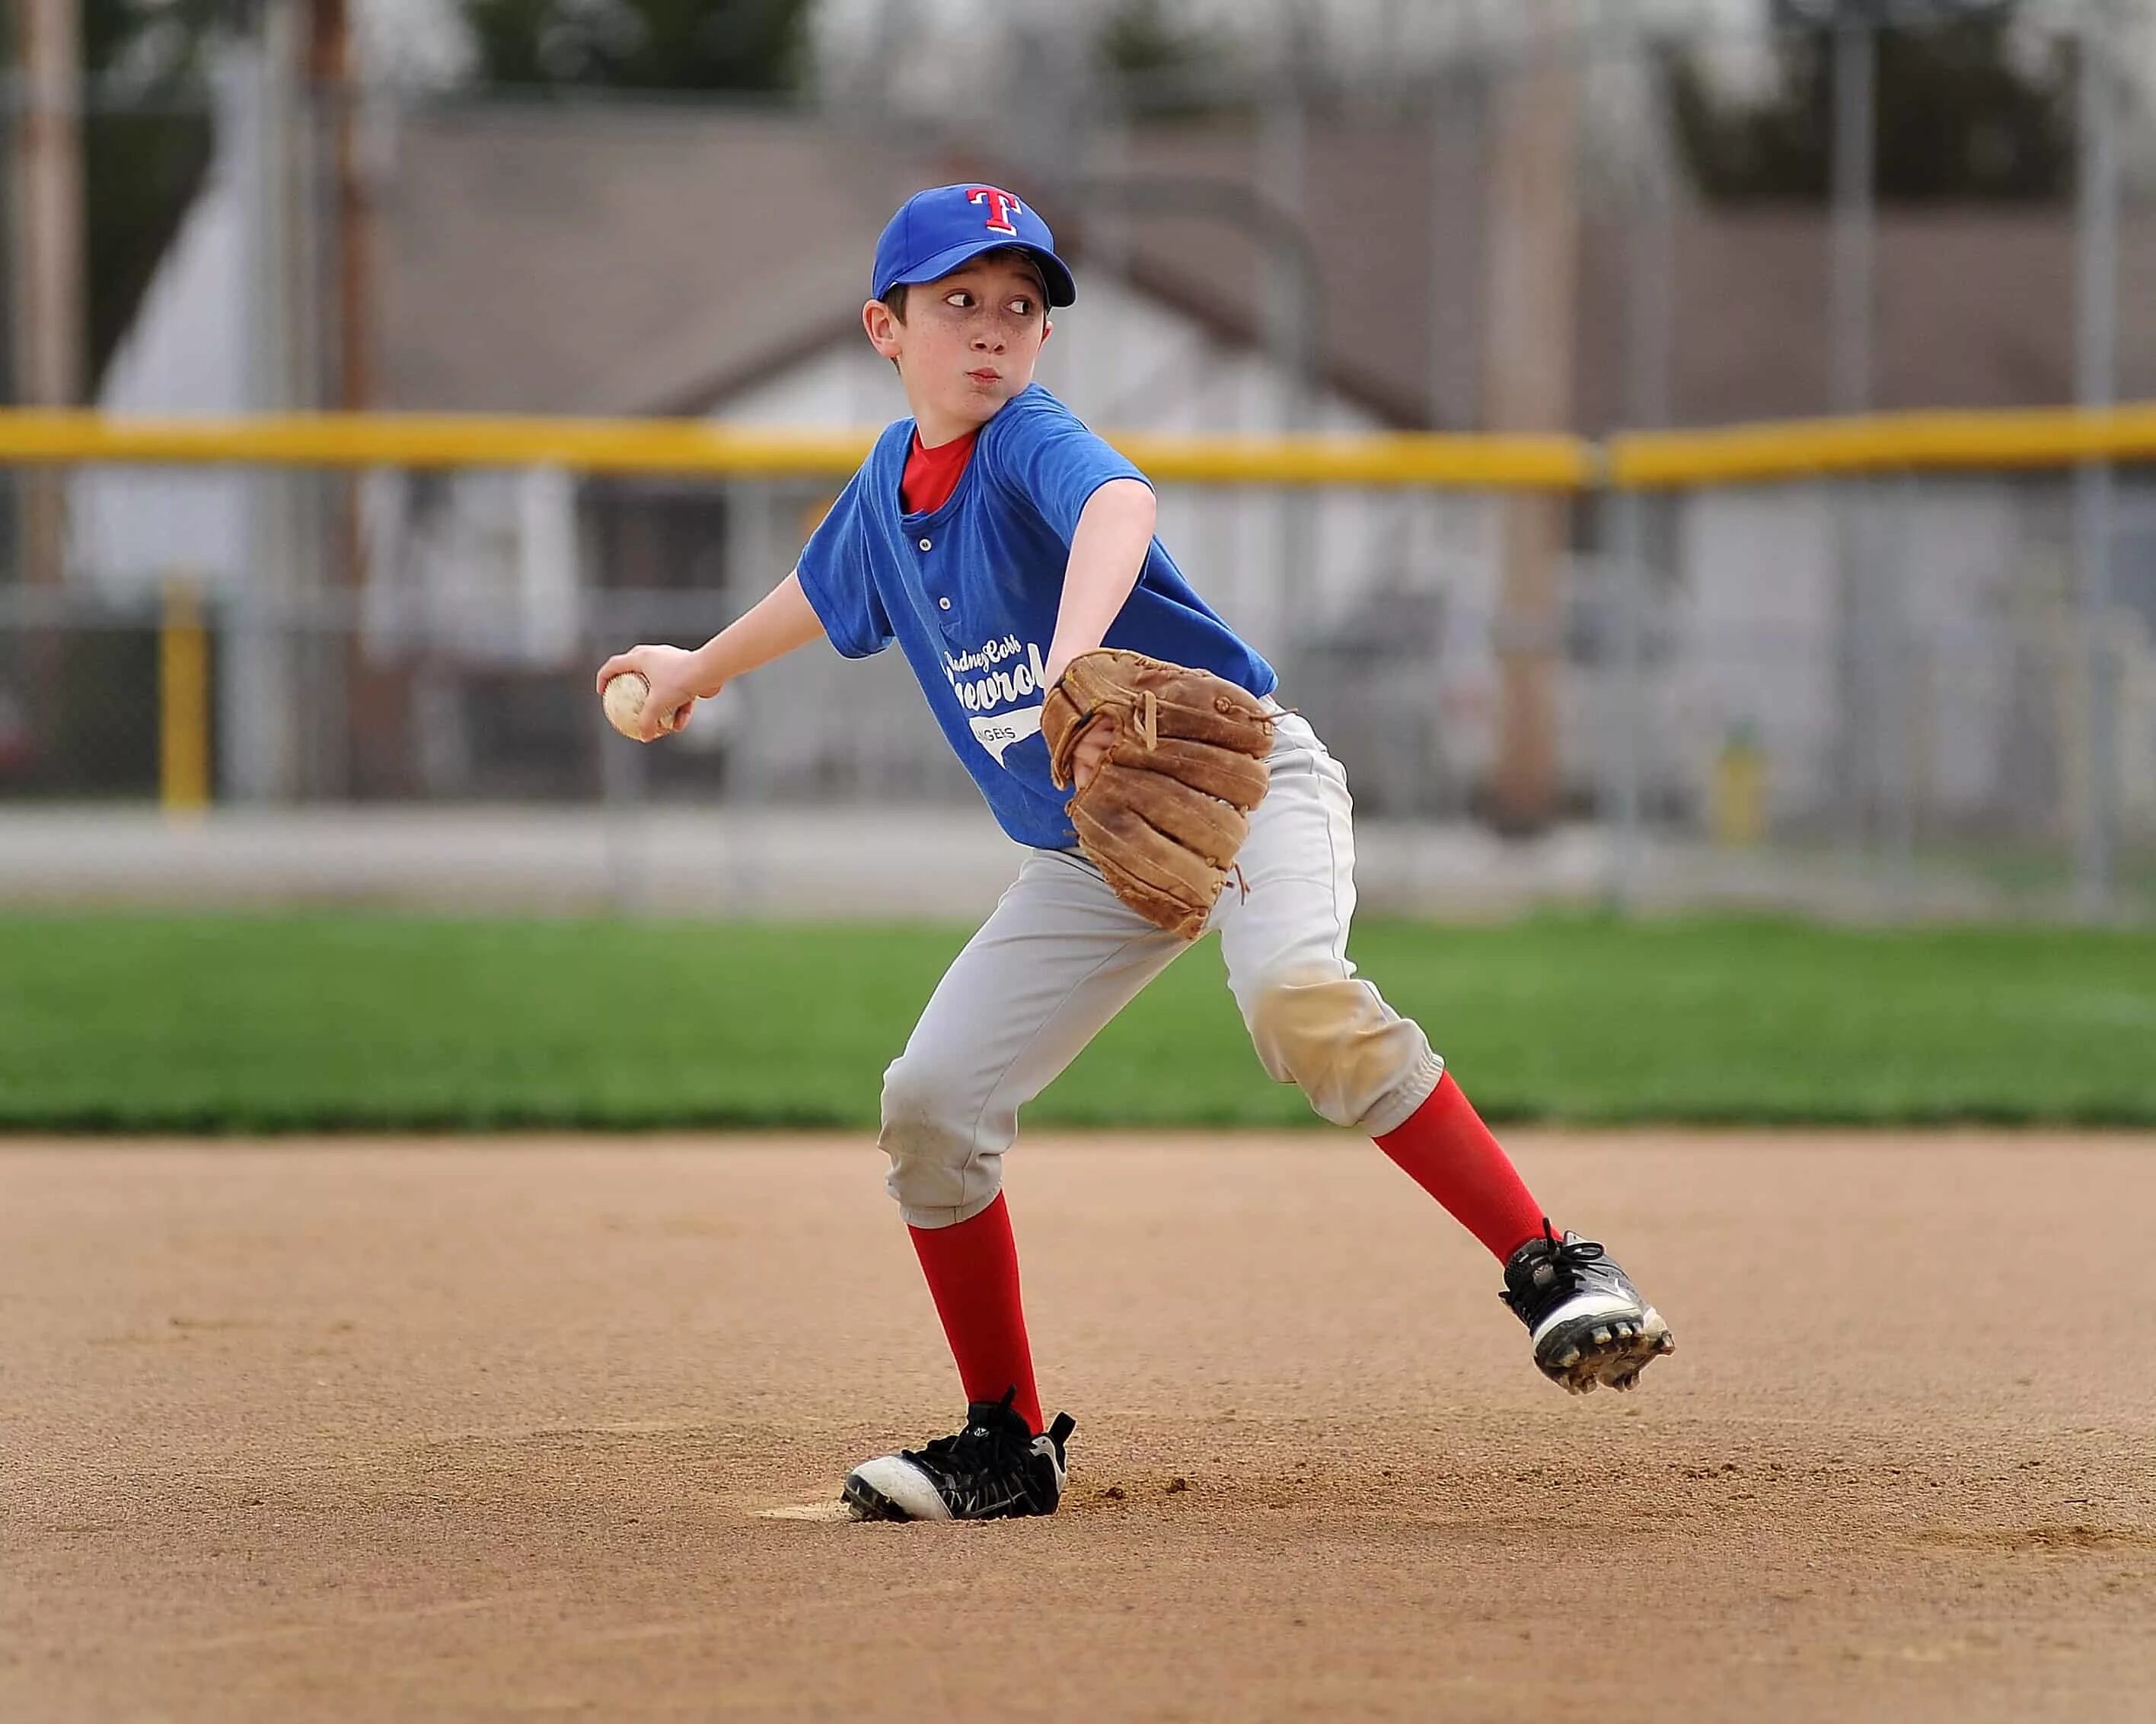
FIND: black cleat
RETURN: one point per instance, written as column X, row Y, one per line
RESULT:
column 994, row 1470
column 1590, row 1327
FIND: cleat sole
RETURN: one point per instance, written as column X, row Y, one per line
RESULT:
column 1608, row 1354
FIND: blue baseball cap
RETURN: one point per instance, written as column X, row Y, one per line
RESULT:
column 938, row 230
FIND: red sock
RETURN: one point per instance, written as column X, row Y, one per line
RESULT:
column 1446, row 1149
column 973, row 1276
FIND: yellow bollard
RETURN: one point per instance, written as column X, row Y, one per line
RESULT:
column 182, row 703
column 1740, row 790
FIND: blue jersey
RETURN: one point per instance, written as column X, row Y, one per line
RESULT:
column 970, row 592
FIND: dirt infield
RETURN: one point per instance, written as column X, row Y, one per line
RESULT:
column 470, row 1430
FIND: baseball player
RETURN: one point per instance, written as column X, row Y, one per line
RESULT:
column 995, row 539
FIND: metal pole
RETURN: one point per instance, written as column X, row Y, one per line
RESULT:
column 2096, row 355
column 257, row 695
column 1648, row 337
column 1856, row 224
column 1855, row 50
column 1904, row 687
column 1283, row 163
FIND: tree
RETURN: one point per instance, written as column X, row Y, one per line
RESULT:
column 640, row 45
column 1140, row 38
column 1962, row 111
column 1159, row 63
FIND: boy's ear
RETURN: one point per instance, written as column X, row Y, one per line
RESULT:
column 882, row 328
column 1047, row 329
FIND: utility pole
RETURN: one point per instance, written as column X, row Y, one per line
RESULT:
column 335, row 95
column 49, row 288
column 1527, row 363
column 361, row 745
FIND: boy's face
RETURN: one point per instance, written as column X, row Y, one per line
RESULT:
column 968, row 344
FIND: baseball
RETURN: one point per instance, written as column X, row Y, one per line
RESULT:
column 624, row 700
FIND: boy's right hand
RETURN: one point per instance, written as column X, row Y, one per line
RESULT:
column 672, row 672
column 1092, row 749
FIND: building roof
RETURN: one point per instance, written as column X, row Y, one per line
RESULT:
column 551, row 260
column 609, row 261
column 1975, row 309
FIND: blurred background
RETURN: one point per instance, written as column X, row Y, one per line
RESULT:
column 1905, row 693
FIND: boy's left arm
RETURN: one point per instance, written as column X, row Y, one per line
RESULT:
column 1108, row 554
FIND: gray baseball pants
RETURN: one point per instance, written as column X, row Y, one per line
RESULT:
column 1061, row 955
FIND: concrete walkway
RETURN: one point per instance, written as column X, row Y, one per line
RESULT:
column 850, row 862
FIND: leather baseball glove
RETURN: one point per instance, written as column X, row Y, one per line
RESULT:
column 1168, row 809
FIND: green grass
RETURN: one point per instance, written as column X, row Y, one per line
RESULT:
column 343, row 1022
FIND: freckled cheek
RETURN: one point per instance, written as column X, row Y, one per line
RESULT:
column 951, row 351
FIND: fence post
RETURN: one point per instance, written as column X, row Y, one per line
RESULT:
column 2096, row 321
column 1905, row 688
column 182, row 703
column 1627, row 505
column 1853, row 44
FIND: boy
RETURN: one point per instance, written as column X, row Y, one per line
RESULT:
column 994, row 538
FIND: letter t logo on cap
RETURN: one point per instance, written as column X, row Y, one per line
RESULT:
column 1000, row 204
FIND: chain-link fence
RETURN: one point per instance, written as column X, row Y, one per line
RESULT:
column 1871, row 694
column 1508, row 218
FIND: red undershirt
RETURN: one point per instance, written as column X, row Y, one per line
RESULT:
column 932, row 474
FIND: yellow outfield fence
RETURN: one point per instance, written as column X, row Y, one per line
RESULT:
column 426, row 440
column 1886, row 443
column 1798, row 449
column 694, row 446
column 1953, row 679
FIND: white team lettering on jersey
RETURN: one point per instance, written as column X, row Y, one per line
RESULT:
column 997, row 733
column 987, row 681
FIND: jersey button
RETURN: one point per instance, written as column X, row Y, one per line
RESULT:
column 927, row 544
column 944, row 603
